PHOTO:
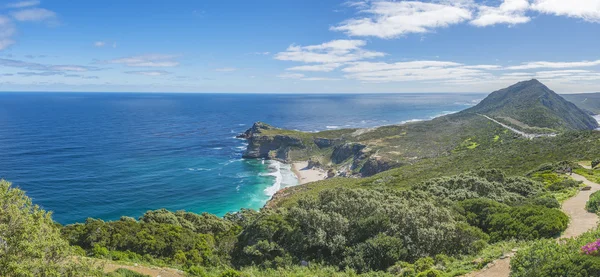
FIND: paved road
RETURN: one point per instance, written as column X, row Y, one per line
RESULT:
column 526, row 135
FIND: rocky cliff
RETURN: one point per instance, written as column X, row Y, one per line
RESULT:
column 330, row 150
column 265, row 145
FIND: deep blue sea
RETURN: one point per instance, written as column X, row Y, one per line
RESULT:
column 107, row 155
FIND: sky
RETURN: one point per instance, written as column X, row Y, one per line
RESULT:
column 298, row 46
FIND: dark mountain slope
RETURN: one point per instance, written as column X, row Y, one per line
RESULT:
column 530, row 104
column 589, row 102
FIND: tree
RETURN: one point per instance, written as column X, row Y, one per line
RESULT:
column 30, row 242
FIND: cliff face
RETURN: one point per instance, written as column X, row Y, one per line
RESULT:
column 266, row 146
column 332, row 151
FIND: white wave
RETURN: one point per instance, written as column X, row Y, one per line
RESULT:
column 217, row 148
column 241, row 124
column 411, row 120
column 332, row 127
column 275, row 171
column 232, row 161
column 431, row 117
column 443, row 113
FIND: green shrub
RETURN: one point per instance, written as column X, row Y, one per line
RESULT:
column 230, row 273
column 551, row 259
column 593, row 204
column 595, row 162
column 431, row 273
column 123, row 272
column 503, row 222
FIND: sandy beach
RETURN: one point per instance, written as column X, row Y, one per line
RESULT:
column 307, row 175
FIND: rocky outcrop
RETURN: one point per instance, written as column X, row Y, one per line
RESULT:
column 346, row 151
column 376, row 165
column 324, row 142
column 268, row 146
column 313, row 163
column 256, row 128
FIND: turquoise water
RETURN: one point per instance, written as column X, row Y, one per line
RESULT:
column 107, row 155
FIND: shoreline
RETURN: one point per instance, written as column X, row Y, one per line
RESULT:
column 306, row 175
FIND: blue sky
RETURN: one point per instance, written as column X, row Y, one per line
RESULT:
column 298, row 46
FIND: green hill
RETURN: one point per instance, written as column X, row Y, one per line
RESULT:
column 530, row 104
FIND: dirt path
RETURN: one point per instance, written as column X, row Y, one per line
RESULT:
column 581, row 222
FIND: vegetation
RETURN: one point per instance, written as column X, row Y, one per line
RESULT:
column 30, row 242
column 595, row 162
column 532, row 104
column 433, row 228
column 593, row 204
column 548, row 258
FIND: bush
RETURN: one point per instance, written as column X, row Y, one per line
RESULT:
column 551, row 259
column 503, row 222
column 595, row 162
column 30, row 242
column 123, row 272
column 361, row 229
column 593, row 204
column 490, row 184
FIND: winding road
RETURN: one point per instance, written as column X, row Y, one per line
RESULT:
column 526, row 135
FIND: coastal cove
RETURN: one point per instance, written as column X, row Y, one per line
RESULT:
column 173, row 151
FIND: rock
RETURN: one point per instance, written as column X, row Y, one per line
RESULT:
column 324, row 142
column 330, row 173
column 313, row 163
column 375, row 165
column 586, row 188
column 255, row 129
column 261, row 146
column 346, row 151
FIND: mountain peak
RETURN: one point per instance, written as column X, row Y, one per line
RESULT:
column 531, row 104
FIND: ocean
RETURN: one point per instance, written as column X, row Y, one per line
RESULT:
column 107, row 155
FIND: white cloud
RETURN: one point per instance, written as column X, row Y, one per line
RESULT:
column 7, row 30
column 320, row 79
column 510, row 12
column 226, row 69
column 544, row 64
column 392, row 19
column 36, row 14
column 290, row 76
column 413, row 71
column 22, row 4
column 45, row 67
column 336, row 51
column 299, row 76
column 149, row 72
column 99, row 43
column 588, row 10
column 152, row 60
column 327, row 67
